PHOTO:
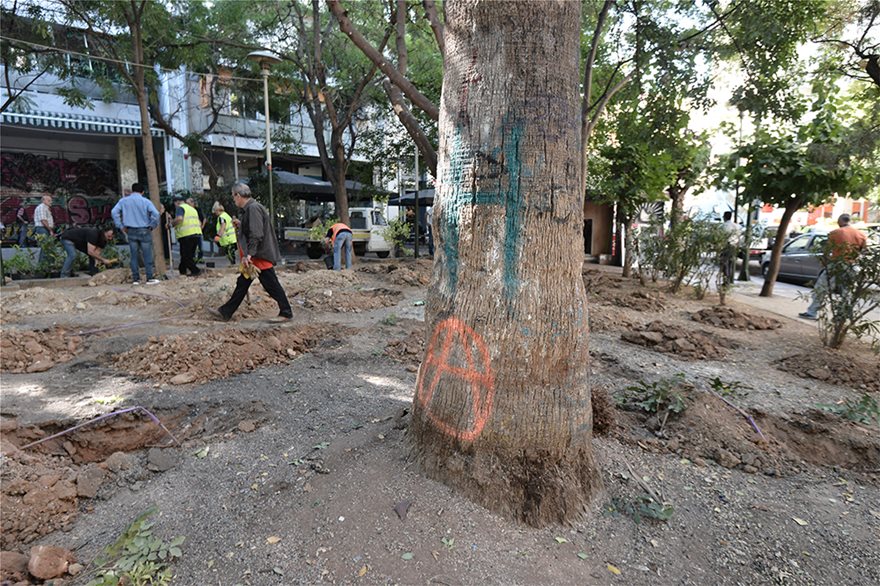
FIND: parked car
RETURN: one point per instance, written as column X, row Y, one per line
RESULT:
column 800, row 257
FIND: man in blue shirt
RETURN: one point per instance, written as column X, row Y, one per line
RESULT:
column 136, row 216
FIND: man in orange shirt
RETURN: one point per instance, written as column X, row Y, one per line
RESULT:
column 846, row 244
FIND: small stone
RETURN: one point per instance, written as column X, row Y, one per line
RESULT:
column 160, row 460
column 247, row 425
column 652, row 338
column 119, row 461
column 682, row 345
column 672, row 444
column 8, row 424
column 88, row 481
column 74, row 569
column 40, row 366
column 819, row 373
column 770, row 471
column 698, row 461
column 13, row 565
column 749, row 469
column 69, row 448
column 80, row 305
column 183, row 378
column 726, row 459
column 748, row 459
column 47, row 562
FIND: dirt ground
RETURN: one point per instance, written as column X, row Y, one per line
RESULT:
column 284, row 457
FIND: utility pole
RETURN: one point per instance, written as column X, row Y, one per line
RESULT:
column 416, row 253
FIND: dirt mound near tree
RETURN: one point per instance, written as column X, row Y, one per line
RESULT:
column 219, row 353
column 726, row 317
column 45, row 486
column 111, row 277
column 672, row 339
column 840, row 368
column 38, row 301
column 710, row 429
column 596, row 281
column 609, row 318
column 349, row 301
column 604, row 413
column 409, row 349
column 638, row 300
column 36, row 351
column 414, row 273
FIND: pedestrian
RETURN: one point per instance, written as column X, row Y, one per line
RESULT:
column 89, row 241
column 429, row 218
column 225, row 237
column 337, row 236
column 846, row 244
column 260, row 252
column 137, row 217
column 728, row 256
column 44, row 223
column 21, row 223
column 200, row 252
column 188, row 232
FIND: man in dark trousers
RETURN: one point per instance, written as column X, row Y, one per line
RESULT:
column 260, row 252
column 89, row 241
column 188, row 230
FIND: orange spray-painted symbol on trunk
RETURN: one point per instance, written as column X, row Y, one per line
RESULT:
column 458, row 352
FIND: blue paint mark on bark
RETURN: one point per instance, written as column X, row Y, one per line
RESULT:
column 461, row 160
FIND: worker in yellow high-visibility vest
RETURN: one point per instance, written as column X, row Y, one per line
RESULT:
column 188, row 232
column 225, row 237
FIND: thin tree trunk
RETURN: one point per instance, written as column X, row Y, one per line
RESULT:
column 626, row 226
column 147, row 140
column 676, row 195
column 502, row 406
column 773, row 271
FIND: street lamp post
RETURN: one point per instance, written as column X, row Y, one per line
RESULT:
column 266, row 59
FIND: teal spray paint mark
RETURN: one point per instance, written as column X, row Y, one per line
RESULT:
column 512, row 199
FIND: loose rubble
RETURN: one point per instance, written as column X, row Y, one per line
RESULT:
column 726, row 317
column 672, row 339
column 37, row 351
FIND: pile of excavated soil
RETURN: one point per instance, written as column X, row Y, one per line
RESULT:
column 709, row 429
column 726, row 317
column 218, row 353
column 111, row 277
column 609, row 318
column 411, row 274
column 349, row 301
column 409, row 349
column 839, row 368
column 38, row 301
column 36, row 351
column 672, row 339
column 597, row 282
column 638, row 300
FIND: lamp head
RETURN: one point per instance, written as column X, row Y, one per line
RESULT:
column 264, row 58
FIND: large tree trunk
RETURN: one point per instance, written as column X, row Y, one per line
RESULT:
column 341, row 193
column 773, row 270
column 676, row 195
column 502, row 406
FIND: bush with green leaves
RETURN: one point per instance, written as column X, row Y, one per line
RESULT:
column 853, row 293
column 138, row 558
column 866, row 410
column 397, row 233
column 662, row 398
column 319, row 231
column 21, row 263
column 52, row 254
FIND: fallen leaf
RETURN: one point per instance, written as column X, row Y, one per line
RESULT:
column 278, row 571
column 561, row 540
column 582, row 555
column 614, row 570
column 273, row 539
column 799, row 521
column 362, row 572
column 202, row 453
column 402, row 508
column 254, row 486
column 407, row 556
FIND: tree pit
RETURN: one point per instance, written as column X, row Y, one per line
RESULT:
column 672, row 339
column 710, row 429
column 46, row 486
column 861, row 373
column 220, row 353
column 637, row 300
column 37, row 351
column 409, row 349
column 725, row 317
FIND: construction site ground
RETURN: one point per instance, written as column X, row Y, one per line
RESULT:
column 289, row 462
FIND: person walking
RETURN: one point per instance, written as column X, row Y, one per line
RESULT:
column 22, row 224
column 89, row 241
column 260, row 252
column 728, row 257
column 44, row 223
column 429, row 219
column 189, row 233
column 137, row 217
column 846, row 244
column 200, row 249
column 339, row 235
column 225, row 237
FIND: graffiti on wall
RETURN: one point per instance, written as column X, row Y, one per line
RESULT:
column 83, row 191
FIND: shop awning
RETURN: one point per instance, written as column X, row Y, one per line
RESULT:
column 77, row 123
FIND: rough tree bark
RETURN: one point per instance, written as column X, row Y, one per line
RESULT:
column 502, row 406
column 773, row 270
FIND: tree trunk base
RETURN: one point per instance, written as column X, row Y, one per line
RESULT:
column 535, row 487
